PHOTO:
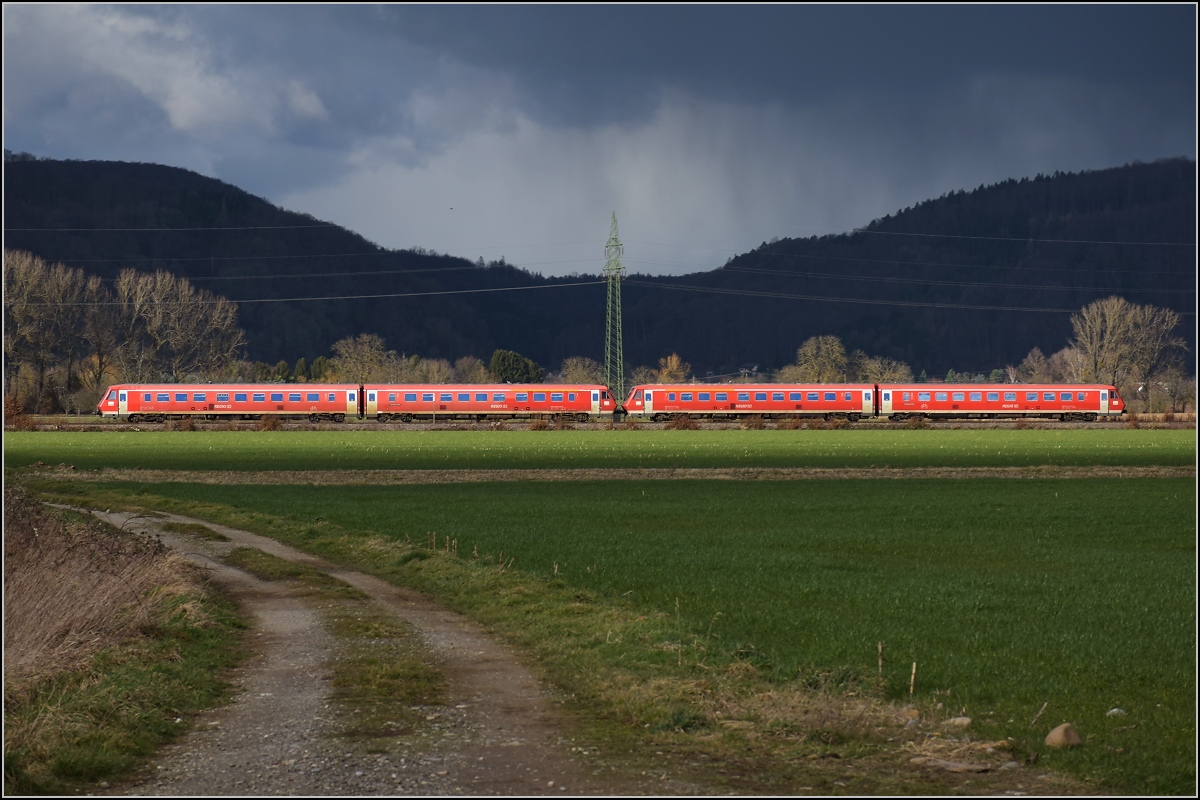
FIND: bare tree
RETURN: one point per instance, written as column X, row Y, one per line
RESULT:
column 641, row 375
column 1067, row 365
column 362, row 359
column 470, row 369
column 1153, row 345
column 875, row 369
column 821, row 359
column 672, row 369
column 1035, row 368
column 1104, row 334
column 578, row 369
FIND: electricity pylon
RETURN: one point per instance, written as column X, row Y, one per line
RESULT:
column 614, row 362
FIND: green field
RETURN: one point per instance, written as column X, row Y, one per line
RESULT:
column 617, row 449
column 1008, row 594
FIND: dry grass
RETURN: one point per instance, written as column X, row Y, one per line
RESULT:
column 71, row 589
column 1132, row 421
column 269, row 422
column 754, row 422
column 682, row 422
column 539, row 425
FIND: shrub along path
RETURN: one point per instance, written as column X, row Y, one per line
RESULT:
column 496, row 733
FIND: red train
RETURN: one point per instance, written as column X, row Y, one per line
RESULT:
column 893, row 400
column 335, row 402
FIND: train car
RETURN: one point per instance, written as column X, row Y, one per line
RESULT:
column 1082, row 402
column 160, row 402
column 736, row 400
column 480, row 402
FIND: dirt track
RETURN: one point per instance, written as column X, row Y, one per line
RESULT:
column 390, row 477
column 498, row 733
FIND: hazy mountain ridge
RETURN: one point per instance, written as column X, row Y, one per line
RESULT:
column 896, row 281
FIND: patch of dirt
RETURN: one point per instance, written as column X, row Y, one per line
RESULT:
column 381, row 477
column 498, row 733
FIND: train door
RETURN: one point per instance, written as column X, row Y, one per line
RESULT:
column 122, row 404
column 352, row 403
column 649, row 405
column 885, row 402
column 1104, row 401
column 372, row 402
column 868, row 404
column 595, row 402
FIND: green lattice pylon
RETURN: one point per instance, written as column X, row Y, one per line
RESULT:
column 614, row 362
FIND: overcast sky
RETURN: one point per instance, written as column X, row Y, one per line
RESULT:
column 516, row 131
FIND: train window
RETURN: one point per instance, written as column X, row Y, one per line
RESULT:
column 907, row 396
column 181, row 397
column 831, row 395
column 239, row 397
column 427, row 397
column 686, row 397
column 743, row 395
column 445, row 397
column 539, row 397
column 391, row 397
column 760, row 395
column 410, row 397
column 722, row 397
column 795, row 395
column 522, row 397
column 276, row 397
column 332, row 397
column 923, row 397
column 260, row 398
column 464, row 397
column 370, row 397
column 813, row 395
column 350, row 397
column 957, row 396
column 222, row 398
column 164, row 398
column 1048, row 396
column 604, row 395
column 776, row 395
column 637, row 395
column 704, row 396
column 1066, row 395
column 481, row 397
column 866, row 395
column 1031, row 397
column 1010, row 396
column 671, row 396
column 993, row 397
column 294, row 397
column 200, row 397
column 940, row 396
column 976, row 397
column 1103, row 395
column 1083, row 395
column 556, row 397
column 571, row 397
column 313, row 397
column 849, row 397
column 887, row 396
column 146, row 397
column 112, row 395
column 498, row 397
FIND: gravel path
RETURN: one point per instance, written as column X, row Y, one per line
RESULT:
column 499, row 732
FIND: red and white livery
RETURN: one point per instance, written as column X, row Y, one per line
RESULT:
column 1083, row 402
column 156, row 402
column 483, row 401
column 734, row 400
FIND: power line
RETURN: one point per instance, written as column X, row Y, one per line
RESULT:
column 196, row 230
column 1029, row 239
column 957, row 283
column 902, row 303
column 338, row 297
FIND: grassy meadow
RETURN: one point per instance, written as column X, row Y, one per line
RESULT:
column 616, row 449
column 1009, row 594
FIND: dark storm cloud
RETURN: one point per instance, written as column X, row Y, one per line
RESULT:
column 707, row 128
column 592, row 64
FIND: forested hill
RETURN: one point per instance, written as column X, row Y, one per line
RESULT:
column 969, row 281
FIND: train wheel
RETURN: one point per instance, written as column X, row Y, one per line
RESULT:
column 339, row 417
column 382, row 418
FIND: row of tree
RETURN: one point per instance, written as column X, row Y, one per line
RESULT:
column 68, row 335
